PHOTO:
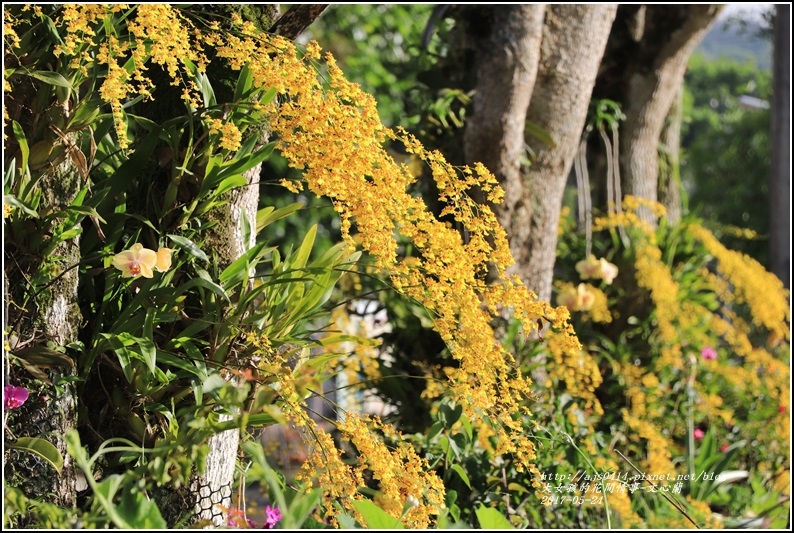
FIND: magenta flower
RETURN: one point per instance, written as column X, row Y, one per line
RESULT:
column 273, row 517
column 708, row 353
column 699, row 434
column 14, row 397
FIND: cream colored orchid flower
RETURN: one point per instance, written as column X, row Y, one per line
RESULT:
column 568, row 298
column 136, row 261
column 163, row 259
column 584, row 298
column 609, row 271
column 589, row 268
column 576, row 298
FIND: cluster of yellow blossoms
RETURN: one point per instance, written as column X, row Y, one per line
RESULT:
column 330, row 129
column 336, row 138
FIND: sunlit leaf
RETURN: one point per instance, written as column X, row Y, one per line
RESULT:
column 40, row 447
column 190, row 247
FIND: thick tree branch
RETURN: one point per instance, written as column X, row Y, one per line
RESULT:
column 297, row 19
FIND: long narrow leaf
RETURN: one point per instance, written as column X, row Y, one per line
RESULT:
column 268, row 215
column 51, row 78
column 190, row 247
column 40, row 447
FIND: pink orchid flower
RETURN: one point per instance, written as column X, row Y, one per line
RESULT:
column 14, row 397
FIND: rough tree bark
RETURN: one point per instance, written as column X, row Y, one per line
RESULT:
column 646, row 58
column 52, row 315
column 567, row 52
column 780, row 180
column 574, row 38
column 40, row 292
column 296, row 19
column 669, row 160
column 230, row 239
column 507, row 49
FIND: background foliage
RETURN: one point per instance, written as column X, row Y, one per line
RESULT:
column 159, row 360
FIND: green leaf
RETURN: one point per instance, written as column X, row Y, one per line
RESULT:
column 435, row 429
column 139, row 511
column 148, row 351
column 346, row 521
column 242, row 164
column 19, row 135
column 467, row 427
column 51, row 78
column 490, row 518
column 85, row 210
column 539, row 133
column 232, row 182
column 43, row 357
column 375, row 517
column 176, row 362
column 85, row 114
column 12, row 200
column 516, row 488
column 300, row 509
column 190, row 247
column 40, row 447
column 213, row 382
column 269, row 96
column 238, row 270
column 203, row 82
column 105, row 492
column 126, row 175
column 122, row 352
column 243, row 85
column 462, row 473
column 305, row 249
column 267, row 215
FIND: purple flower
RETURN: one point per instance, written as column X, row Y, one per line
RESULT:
column 14, row 397
column 273, row 516
column 708, row 353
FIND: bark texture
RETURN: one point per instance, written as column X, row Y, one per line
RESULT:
column 296, row 19
column 52, row 316
column 574, row 38
column 231, row 237
column 507, row 51
column 669, row 160
column 648, row 49
column 780, row 183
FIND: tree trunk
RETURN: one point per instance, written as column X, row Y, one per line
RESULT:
column 541, row 72
column 229, row 239
column 780, row 182
column 507, row 50
column 663, row 38
column 53, row 317
column 574, row 37
column 232, row 236
column 669, row 161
